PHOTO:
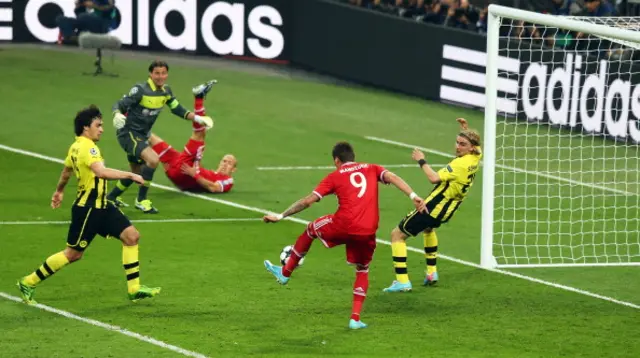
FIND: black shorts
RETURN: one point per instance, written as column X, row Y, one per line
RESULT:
column 87, row 222
column 133, row 143
column 415, row 222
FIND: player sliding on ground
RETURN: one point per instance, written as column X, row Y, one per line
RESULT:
column 452, row 186
column 133, row 117
column 91, row 213
column 183, row 168
column 353, row 225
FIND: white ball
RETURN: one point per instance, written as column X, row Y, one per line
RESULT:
column 286, row 252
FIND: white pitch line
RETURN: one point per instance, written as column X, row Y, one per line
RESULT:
column 305, row 222
column 513, row 169
column 333, row 167
column 109, row 327
column 136, row 221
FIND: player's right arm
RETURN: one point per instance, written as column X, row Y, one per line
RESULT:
column 122, row 106
column 103, row 172
column 56, row 199
column 325, row 187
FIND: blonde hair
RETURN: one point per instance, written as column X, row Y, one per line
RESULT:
column 473, row 137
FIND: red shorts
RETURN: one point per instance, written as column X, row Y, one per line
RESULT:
column 173, row 159
column 360, row 248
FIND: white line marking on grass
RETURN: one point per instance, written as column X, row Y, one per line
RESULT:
column 109, row 327
column 136, row 221
column 305, row 222
column 513, row 169
column 333, row 167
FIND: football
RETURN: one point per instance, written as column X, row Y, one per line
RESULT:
column 286, row 252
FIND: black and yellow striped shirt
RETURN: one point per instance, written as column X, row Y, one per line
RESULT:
column 456, row 180
column 92, row 191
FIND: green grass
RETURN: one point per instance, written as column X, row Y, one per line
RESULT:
column 217, row 299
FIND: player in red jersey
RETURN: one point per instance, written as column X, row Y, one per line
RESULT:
column 353, row 225
column 183, row 168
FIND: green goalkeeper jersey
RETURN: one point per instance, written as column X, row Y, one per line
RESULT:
column 143, row 105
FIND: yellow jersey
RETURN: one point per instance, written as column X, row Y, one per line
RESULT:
column 456, row 180
column 92, row 191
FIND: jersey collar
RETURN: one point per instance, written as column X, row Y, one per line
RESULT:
column 153, row 85
column 83, row 138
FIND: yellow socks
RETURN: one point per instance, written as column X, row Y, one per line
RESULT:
column 50, row 266
column 430, row 251
column 399, row 252
column 131, row 267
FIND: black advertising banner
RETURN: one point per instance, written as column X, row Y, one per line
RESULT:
column 246, row 28
column 572, row 89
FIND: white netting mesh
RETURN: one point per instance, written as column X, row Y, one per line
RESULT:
column 565, row 194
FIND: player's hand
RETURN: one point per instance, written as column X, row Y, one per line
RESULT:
column 137, row 178
column 271, row 218
column 417, row 154
column 188, row 170
column 119, row 120
column 56, row 199
column 204, row 120
column 419, row 204
column 463, row 123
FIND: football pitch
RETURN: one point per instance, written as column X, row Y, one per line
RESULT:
column 206, row 251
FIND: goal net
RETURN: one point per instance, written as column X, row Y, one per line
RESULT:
column 562, row 158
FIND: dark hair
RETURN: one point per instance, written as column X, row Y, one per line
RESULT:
column 84, row 118
column 344, row 152
column 158, row 63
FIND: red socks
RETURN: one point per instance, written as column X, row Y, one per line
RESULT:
column 198, row 107
column 360, row 288
column 300, row 248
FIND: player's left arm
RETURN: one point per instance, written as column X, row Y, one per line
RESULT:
column 180, row 111
column 176, row 107
column 398, row 182
column 210, row 186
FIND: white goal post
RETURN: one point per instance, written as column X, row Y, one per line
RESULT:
column 561, row 166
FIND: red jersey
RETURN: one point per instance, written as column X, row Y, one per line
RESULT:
column 191, row 155
column 187, row 183
column 356, row 186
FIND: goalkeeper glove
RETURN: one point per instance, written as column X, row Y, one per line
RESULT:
column 119, row 120
column 203, row 120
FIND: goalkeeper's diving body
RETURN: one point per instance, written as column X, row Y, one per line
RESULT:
column 183, row 168
column 452, row 184
column 134, row 116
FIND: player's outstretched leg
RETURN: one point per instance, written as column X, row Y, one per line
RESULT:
column 300, row 249
column 431, row 255
column 353, row 324
column 200, row 91
column 276, row 271
column 27, row 284
column 399, row 252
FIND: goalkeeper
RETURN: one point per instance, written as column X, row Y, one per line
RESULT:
column 452, row 185
column 134, row 116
